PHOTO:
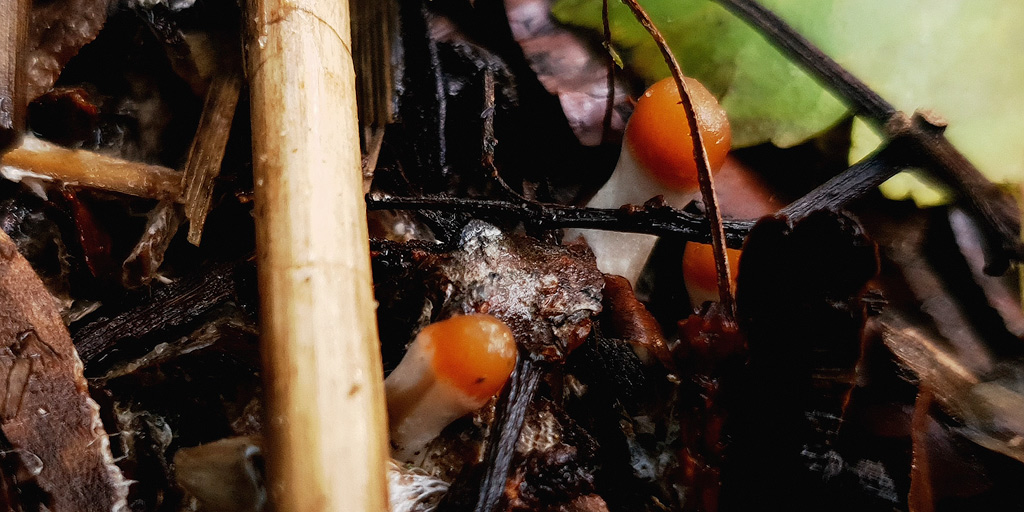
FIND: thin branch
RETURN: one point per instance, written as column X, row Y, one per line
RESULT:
column 609, row 109
column 655, row 218
column 700, row 155
column 999, row 215
column 652, row 218
column 851, row 184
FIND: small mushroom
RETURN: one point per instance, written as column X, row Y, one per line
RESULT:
column 700, row 275
column 656, row 160
column 451, row 369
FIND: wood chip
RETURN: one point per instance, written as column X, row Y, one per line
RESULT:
column 207, row 151
column 141, row 265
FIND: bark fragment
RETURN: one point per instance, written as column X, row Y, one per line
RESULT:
column 46, row 414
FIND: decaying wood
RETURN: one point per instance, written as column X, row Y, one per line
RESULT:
column 170, row 306
column 51, row 425
column 37, row 159
column 327, row 443
column 207, row 151
column 13, row 28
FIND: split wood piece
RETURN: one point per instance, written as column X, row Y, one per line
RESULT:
column 162, row 223
column 37, row 159
column 207, row 151
column 327, row 444
column 372, row 25
column 50, row 426
column 13, row 29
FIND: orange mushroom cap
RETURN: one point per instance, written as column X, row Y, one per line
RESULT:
column 474, row 353
column 659, row 136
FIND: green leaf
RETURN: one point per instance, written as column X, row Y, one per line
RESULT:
column 961, row 58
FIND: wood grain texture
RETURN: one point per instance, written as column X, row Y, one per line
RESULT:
column 326, row 415
column 13, row 28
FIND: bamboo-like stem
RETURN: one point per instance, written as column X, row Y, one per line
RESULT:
column 36, row 158
column 324, row 383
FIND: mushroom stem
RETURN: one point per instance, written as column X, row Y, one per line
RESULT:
column 626, row 254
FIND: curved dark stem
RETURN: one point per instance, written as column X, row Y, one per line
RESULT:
column 700, row 155
column 489, row 142
column 999, row 215
column 609, row 109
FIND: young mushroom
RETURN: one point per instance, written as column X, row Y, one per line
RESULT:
column 451, row 369
column 699, row 272
column 656, row 159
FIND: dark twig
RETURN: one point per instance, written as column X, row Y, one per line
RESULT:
column 999, row 215
column 490, row 142
column 700, row 155
column 501, row 446
column 851, row 184
column 652, row 218
column 858, row 95
column 609, row 109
